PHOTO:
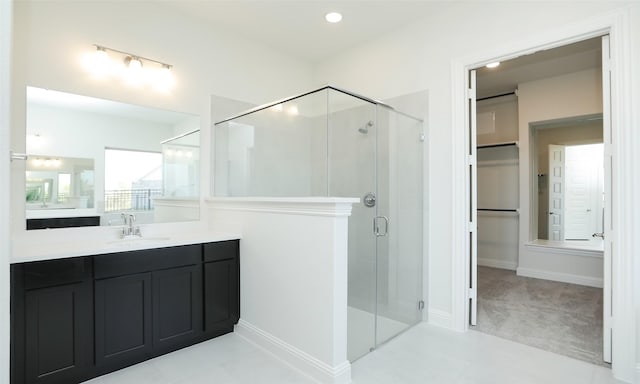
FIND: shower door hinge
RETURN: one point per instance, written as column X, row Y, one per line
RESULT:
column 420, row 305
column 422, row 137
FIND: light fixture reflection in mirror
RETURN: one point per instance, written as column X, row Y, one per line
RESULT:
column 79, row 127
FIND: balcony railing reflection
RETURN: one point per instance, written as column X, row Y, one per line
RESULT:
column 130, row 199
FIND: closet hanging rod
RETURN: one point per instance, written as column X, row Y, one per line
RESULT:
column 495, row 145
column 495, row 96
column 497, row 210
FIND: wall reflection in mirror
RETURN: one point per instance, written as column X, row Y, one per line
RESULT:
column 570, row 179
column 90, row 157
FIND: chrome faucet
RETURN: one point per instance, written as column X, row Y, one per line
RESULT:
column 129, row 230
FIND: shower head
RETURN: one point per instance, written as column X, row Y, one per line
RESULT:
column 364, row 130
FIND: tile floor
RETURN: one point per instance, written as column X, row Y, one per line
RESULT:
column 423, row 355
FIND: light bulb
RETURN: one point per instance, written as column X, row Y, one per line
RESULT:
column 293, row 110
column 134, row 63
column 133, row 73
column 99, row 63
column 164, row 79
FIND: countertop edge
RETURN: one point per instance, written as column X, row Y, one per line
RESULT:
column 64, row 250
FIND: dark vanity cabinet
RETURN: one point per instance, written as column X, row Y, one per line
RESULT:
column 146, row 303
column 221, row 287
column 52, row 321
column 74, row 319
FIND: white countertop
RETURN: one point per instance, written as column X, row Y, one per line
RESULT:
column 25, row 251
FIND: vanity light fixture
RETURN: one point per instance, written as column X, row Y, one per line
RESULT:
column 137, row 70
column 333, row 17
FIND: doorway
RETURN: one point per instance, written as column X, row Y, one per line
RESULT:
column 492, row 200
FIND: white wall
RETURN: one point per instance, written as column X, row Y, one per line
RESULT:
column 293, row 292
column 421, row 56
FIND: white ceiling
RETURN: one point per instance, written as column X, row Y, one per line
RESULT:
column 298, row 28
column 540, row 65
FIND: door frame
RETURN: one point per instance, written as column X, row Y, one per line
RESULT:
column 616, row 25
column 6, row 33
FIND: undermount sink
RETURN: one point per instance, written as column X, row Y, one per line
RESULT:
column 138, row 240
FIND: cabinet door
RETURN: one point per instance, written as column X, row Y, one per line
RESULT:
column 221, row 295
column 58, row 333
column 123, row 321
column 177, row 307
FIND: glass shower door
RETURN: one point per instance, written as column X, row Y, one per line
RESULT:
column 399, row 223
column 352, row 173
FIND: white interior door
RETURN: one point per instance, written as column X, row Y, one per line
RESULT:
column 583, row 189
column 472, row 226
column 607, row 229
column 556, row 192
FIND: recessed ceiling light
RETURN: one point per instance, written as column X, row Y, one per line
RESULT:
column 493, row 65
column 333, row 17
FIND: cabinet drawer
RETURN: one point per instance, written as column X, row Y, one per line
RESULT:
column 222, row 250
column 49, row 273
column 178, row 256
column 127, row 263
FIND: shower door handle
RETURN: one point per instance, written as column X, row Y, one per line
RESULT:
column 376, row 226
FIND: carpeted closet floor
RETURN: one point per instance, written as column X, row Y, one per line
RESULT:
column 557, row 317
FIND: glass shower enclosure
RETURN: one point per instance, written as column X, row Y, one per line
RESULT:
column 334, row 143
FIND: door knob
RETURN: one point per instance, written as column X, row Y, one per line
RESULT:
column 369, row 200
column 598, row 234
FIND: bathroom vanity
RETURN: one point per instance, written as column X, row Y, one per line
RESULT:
column 75, row 318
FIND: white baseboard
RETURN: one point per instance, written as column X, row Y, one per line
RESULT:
column 308, row 365
column 497, row 263
column 440, row 318
column 562, row 277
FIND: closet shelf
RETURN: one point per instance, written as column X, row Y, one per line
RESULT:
column 498, row 210
column 501, row 144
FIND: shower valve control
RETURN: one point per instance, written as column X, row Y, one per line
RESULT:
column 369, row 200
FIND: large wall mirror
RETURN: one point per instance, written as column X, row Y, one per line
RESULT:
column 569, row 157
column 94, row 158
